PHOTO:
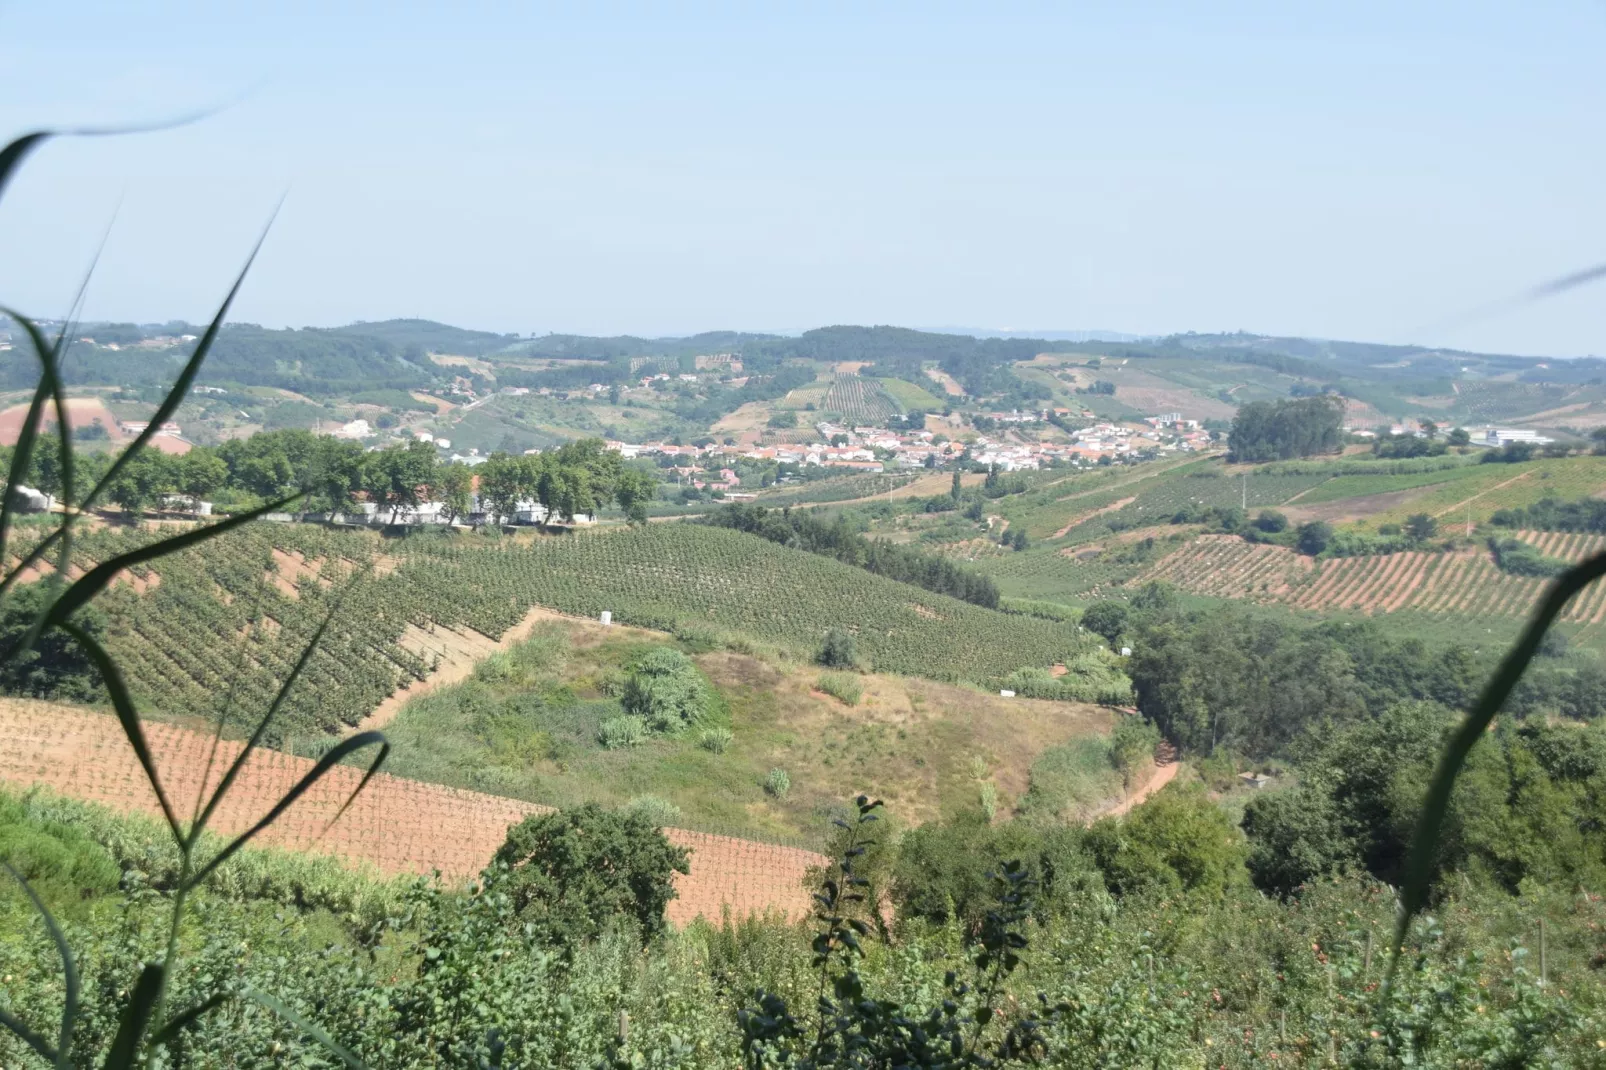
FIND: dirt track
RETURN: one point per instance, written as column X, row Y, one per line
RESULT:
column 396, row 825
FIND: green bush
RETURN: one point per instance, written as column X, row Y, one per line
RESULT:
column 716, row 740
column 657, row 810
column 1071, row 780
column 1177, row 841
column 837, row 651
column 1132, row 747
column 665, row 690
column 777, row 783
column 617, row 733
column 843, row 686
column 570, row 874
column 56, row 666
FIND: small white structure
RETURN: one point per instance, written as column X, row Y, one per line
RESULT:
column 1006, row 694
column 27, row 500
column 1256, row 781
column 1126, row 652
column 607, row 617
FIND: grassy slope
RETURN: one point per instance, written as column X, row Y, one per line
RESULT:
column 531, row 733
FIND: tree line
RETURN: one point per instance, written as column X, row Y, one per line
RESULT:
column 334, row 475
column 840, row 540
column 1288, row 428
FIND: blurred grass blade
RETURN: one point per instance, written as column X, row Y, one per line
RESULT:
column 113, row 679
column 69, row 1011
column 22, row 455
column 192, row 368
column 262, row 725
column 313, row 1030
column 13, row 154
column 136, row 1018
column 96, row 579
column 184, row 1018
column 29, row 1037
column 1425, row 840
column 326, row 763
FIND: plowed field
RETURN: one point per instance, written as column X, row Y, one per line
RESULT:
column 400, row 826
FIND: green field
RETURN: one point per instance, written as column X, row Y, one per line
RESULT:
column 911, row 397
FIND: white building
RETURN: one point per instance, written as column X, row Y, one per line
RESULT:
column 1505, row 436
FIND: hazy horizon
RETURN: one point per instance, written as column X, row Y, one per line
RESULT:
column 1337, row 171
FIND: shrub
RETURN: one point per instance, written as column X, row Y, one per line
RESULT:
column 1132, row 746
column 665, row 690
column 940, row 873
column 843, row 686
column 1178, row 841
column 1105, row 618
column 1521, row 559
column 1072, row 779
column 1314, row 537
column 56, row 666
column 837, row 651
column 1421, row 526
column 716, row 740
column 1271, row 521
column 657, row 810
column 570, row 873
column 777, row 783
column 616, row 733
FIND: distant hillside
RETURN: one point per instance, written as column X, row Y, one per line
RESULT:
column 430, row 337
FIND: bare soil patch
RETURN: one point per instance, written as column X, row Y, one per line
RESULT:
column 81, row 412
column 395, row 826
column 949, row 384
column 1347, row 509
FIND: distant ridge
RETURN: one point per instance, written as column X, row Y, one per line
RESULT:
column 1047, row 336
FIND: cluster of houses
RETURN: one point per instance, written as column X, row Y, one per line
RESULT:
column 878, row 449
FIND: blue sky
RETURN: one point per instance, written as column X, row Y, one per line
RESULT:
column 1353, row 170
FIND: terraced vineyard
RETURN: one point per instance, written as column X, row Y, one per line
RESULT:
column 1228, row 567
column 222, row 626
column 1460, row 583
column 225, row 623
column 860, row 400
column 665, row 575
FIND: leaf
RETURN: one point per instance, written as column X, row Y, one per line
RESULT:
column 69, row 1012
column 1425, row 840
column 181, row 385
column 92, row 582
column 183, row 1019
column 22, row 454
column 112, row 677
column 327, row 762
column 136, row 1017
column 28, row 1036
column 262, row 726
column 314, row 1031
column 12, row 155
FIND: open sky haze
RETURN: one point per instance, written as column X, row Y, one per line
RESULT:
column 1353, row 169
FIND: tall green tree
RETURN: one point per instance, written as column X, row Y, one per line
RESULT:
column 570, row 874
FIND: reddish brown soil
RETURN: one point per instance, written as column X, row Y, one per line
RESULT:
column 398, row 826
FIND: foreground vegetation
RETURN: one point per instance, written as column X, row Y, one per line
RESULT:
column 1153, row 954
